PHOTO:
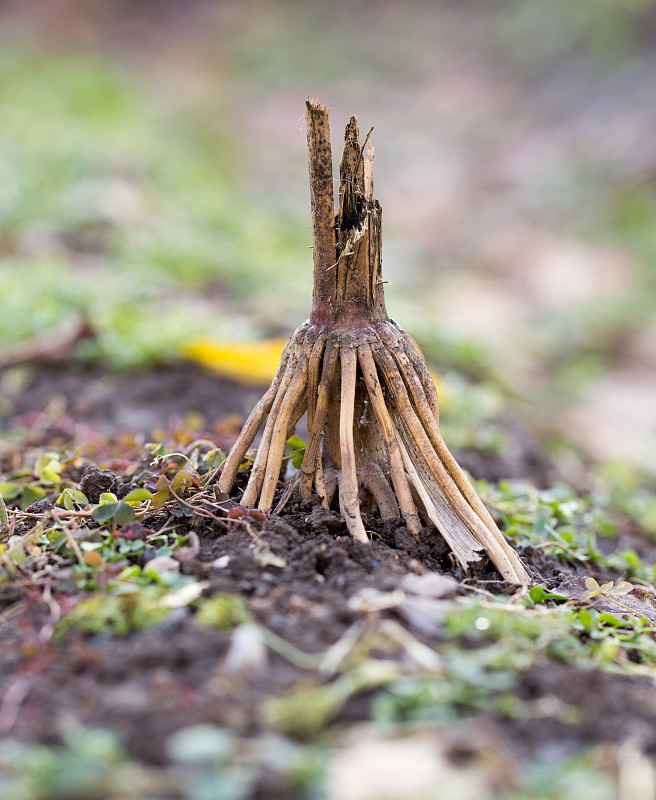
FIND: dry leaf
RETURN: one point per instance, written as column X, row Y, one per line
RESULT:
column 616, row 599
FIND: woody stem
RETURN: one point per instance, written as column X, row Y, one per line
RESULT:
column 323, row 212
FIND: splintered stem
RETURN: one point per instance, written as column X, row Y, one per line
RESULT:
column 322, row 202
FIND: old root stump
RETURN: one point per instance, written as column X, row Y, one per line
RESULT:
column 371, row 405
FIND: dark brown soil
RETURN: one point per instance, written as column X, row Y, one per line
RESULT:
column 149, row 684
column 71, row 401
column 115, row 402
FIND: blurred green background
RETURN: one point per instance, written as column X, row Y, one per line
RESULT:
column 153, row 179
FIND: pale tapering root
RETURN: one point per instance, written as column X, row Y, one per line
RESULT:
column 477, row 504
column 374, row 480
column 300, row 408
column 413, row 384
column 429, row 495
column 313, row 376
column 424, row 376
column 414, row 370
column 397, row 471
column 348, row 478
column 295, row 383
column 464, row 532
column 401, row 400
column 256, row 478
column 319, row 483
column 406, row 338
column 416, row 357
column 253, row 424
column 330, row 484
column 312, row 454
column 279, row 435
column 400, row 344
column 507, row 563
column 455, row 471
column 395, row 383
column 291, row 486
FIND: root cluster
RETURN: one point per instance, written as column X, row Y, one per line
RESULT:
column 389, row 446
column 371, row 404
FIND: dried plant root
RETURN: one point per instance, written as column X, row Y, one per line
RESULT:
column 372, row 407
column 349, row 504
column 397, row 471
column 254, row 422
column 259, row 465
column 315, row 430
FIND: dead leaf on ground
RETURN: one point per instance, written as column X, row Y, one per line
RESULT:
column 639, row 601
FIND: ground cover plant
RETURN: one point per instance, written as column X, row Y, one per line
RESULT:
column 118, row 225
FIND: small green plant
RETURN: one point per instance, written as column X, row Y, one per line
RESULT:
column 223, row 611
column 4, row 517
column 72, row 500
column 116, row 614
column 295, row 451
column 539, row 594
column 608, row 590
column 48, row 469
column 309, row 709
column 120, row 512
column 565, row 524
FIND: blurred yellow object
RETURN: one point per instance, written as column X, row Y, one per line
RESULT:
column 439, row 385
column 253, row 363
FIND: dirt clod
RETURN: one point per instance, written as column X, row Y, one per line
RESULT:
column 95, row 482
